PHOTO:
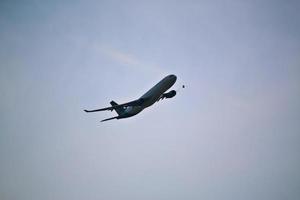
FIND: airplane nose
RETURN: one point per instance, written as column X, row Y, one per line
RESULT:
column 174, row 77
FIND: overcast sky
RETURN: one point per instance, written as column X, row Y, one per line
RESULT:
column 233, row 133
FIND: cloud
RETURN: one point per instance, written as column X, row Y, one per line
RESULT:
column 122, row 57
column 130, row 60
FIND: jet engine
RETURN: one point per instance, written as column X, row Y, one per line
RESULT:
column 168, row 95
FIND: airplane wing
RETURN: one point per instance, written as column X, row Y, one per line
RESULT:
column 138, row 102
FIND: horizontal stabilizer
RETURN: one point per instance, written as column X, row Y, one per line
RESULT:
column 110, row 108
column 109, row 119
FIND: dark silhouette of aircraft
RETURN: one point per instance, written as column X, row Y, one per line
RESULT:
column 132, row 108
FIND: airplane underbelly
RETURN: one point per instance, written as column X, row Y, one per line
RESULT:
column 133, row 110
column 154, row 93
column 151, row 101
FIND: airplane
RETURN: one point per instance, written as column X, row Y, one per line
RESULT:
column 132, row 108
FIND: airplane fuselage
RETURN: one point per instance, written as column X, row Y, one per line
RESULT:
column 150, row 97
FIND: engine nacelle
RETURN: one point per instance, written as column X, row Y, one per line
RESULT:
column 170, row 94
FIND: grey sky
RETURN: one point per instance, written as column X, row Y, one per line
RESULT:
column 233, row 133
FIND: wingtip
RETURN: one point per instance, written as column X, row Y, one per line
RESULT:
column 86, row 111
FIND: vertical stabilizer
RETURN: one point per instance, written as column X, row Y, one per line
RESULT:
column 120, row 111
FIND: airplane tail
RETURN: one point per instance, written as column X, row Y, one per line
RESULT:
column 109, row 119
column 118, row 110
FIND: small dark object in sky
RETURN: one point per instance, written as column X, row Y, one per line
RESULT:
column 183, row 86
